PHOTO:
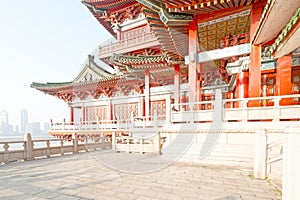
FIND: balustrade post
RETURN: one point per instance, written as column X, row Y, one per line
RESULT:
column 168, row 109
column 75, row 143
column 157, row 144
column 260, row 159
column 141, row 146
column 62, row 152
column 48, row 148
column 128, row 145
column 244, row 110
column 291, row 164
column 218, row 106
column 113, row 141
column 28, row 146
column 6, row 153
column 276, row 110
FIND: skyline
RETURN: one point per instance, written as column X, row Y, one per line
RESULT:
column 43, row 42
column 24, row 125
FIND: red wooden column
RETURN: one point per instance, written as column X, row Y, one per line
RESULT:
column 241, row 87
column 255, row 56
column 284, row 77
column 71, row 115
column 142, row 107
column 147, row 92
column 110, row 110
column 177, row 83
column 192, row 61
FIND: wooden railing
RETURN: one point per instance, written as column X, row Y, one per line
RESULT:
column 31, row 149
column 124, row 45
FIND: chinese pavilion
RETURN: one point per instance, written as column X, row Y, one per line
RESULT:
column 179, row 51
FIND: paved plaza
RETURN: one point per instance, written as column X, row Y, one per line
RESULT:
column 104, row 174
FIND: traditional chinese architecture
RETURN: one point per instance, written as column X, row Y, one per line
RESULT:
column 169, row 59
column 183, row 48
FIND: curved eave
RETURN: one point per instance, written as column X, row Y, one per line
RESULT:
column 51, row 88
column 110, row 4
column 287, row 40
column 134, row 63
column 275, row 16
column 97, row 15
column 70, row 87
column 290, row 43
column 135, row 60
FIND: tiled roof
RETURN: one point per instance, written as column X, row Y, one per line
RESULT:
column 139, row 60
column 109, row 4
column 102, row 77
column 51, row 85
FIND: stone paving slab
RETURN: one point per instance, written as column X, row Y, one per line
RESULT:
column 93, row 176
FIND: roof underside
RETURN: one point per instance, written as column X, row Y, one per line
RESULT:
column 171, row 29
column 287, row 40
column 275, row 16
column 204, row 6
column 212, row 34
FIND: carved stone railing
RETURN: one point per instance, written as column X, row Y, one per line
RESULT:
column 91, row 126
column 138, row 144
column 200, row 112
column 274, row 154
column 274, row 162
column 140, row 41
column 194, row 112
column 29, row 149
column 109, row 125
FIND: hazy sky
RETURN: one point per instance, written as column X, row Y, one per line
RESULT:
column 42, row 41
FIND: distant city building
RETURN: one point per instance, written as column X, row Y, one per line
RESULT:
column 34, row 128
column 4, row 117
column 4, row 126
column 46, row 126
column 24, row 120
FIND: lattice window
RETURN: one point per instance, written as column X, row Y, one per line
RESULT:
column 295, row 84
column 268, row 88
column 123, row 111
column 96, row 112
column 159, row 107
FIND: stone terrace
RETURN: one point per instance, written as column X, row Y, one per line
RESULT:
column 87, row 176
